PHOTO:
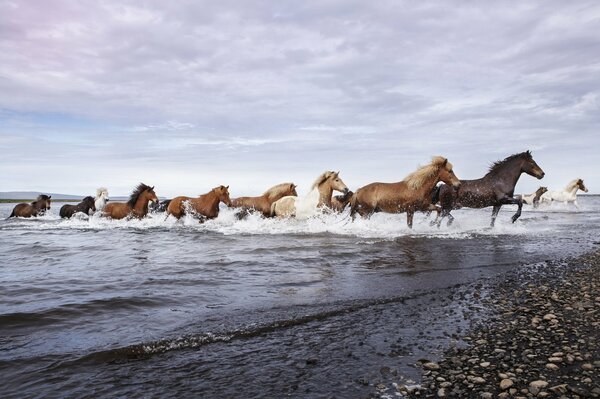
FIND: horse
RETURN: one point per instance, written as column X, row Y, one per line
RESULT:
column 136, row 206
column 568, row 195
column 340, row 202
column 87, row 204
column 160, row 206
column 263, row 203
column 36, row 208
column 318, row 197
column 206, row 206
column 101, row 198
column 409, row 195
column 534, row 199
column 494, row 189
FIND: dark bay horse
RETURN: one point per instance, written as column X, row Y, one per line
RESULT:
column 87, row 204
column 410, row 195
column 206, row 205
column 36, row 208
column 494, row 189
column 137, row 206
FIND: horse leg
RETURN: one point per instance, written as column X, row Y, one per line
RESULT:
column 409, row 219
column 450, row 218
column 513, row 201
column 495, row 214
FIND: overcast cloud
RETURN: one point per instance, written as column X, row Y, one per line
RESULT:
column 189, row 95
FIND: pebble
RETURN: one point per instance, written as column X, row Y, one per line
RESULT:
column 536, row 386
column 505, row 384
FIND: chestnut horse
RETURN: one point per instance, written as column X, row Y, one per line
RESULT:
column 495, row 189
column 206, row 205
column 87, row 204
column 137, row 206
column 340, row 202
column 534, row 199
column 410, row 195
column 263, row 203
column 36, row 208
column 318, row 197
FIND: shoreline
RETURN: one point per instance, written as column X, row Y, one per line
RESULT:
column 540, row 339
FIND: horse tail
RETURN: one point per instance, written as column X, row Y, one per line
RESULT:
column 435, row 194
column 12, row 214
column 353, row 204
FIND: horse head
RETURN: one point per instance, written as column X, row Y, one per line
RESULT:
column 223, row 194
column 446, row 174
column 89, row 203
column 150, row 195
column 530, row 167
column 336, row 183
column 43, row 202
column 581, row 186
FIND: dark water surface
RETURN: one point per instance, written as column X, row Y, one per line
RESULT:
column 254, row 308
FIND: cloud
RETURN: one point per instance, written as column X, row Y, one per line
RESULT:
column 257, row 92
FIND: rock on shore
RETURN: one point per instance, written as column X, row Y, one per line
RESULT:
column 544, row 341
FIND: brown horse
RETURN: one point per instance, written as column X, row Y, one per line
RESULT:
column 495, row 189
column 85, row 206
column 410, row 195
column 534, row 198
column 263, row 203
column 36, row 208
column 137, row 206
column 206, row 205
column 340, row 202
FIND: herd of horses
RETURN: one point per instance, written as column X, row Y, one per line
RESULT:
column 420, row 191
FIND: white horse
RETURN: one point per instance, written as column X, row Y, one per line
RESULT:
column 318, row 197
column 101, row 198
column 568, row 195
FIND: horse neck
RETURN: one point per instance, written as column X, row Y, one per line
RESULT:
column 325, row 193
column 573, row 190
column 38, row 205
column 427, row 187
column 212, row 200
column 141, row 205
column 509, row 173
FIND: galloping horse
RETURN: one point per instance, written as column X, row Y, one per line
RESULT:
column 36, row 208
column 340, row 202
column 137, row 206
column 206, row 205
column 263, row 203
column 495, row 189
column 410, row 195
column 319, row 196
column 87, row 204
column 101, row 198
column 568, row 195
column 534, row 199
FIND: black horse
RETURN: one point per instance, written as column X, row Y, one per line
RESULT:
column 160, row 206
column 87, row 204
column 495, row 189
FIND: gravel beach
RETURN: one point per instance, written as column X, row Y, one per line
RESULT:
column 541, row 340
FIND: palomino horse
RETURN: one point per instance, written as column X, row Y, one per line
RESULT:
column 263, row 203
column 101, row 198
column 318, row 197
column 410, row 195
column 206, row 205
column 87, row 204
column 137, row 206
column 495, row 189
column 568, row 195
column 36, row 208
column 340, row 202
column 534, row 199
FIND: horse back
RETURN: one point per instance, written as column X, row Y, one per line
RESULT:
column 117, row 210
column 66, row 211
column 23, row 210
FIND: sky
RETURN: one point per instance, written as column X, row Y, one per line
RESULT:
column 189, row 95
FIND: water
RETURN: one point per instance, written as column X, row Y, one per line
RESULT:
column 253, row 308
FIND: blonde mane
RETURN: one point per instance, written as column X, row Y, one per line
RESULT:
column 572, row 185
column 100, row 191
column 324, row 176
column 418, row 178
column 277, row 190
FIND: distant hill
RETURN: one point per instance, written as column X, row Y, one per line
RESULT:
column 23, row 195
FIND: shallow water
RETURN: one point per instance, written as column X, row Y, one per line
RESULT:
column 253, row 308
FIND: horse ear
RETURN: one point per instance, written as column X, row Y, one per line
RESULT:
column 49, row 196
column 227, row 187
column 445, row 162
column 337, row 173
column 152, row 188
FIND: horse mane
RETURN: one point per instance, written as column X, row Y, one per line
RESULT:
column 324, row 176
column 417, row 178
column 100, row 191
column 42, row 197
column 277, row 190
column 496, row 166
column 88, row 198
column 135, row 195
column 572, row 184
